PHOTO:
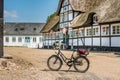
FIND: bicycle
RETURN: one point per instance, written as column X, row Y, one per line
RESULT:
column 55, row 61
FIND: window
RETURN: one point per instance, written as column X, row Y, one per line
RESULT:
column 7, row 39
column 88, row 32
column 13, row 39
column 19, row 39
column 65, row 17
column 40, row 39
column 80, row 32
column 47, row 36
column 22, row 29
column 65, row 3
column 16, row 29
column 105, row 30
column 95, row 31
column 57, row 35
column 61, row 10
column 66, row 24
column 95, row 19
column 75, row 14
column 34, row 29
column 61, row 25
column 116, row 29
column 27, row 39
column 74, row 33
column 70, row 15
column 66, row 8
column 70, row 7
column 34, row 39
column 53, row 36
column 61, row 18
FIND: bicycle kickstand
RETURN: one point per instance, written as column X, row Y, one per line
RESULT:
column 69, row 68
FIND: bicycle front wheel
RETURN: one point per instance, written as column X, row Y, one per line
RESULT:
column 81, row 64
column 54, row 63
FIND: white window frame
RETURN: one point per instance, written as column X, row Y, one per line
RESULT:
column 34, row 39
column 70, row 15
column 13, row 39
column 70, row 8
column 105, row 30
column 81, row 32
column 95, row 31
column 66, row 16
column 61, row 18
column 95, row 19
column 19, row 39
column 117, row 29
column 7, row 39
column 88, row 32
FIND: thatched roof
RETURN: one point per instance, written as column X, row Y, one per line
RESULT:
column 81, row 5
column 109, row 11
column 106, row 10
column 50, row 24
column 84, row 19
column 11, row 28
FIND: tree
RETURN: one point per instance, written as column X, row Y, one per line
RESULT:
column 50, row 16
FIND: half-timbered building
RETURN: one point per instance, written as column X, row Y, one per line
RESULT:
column 89, row 23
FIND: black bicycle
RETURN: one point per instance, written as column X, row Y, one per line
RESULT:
column 80, row 62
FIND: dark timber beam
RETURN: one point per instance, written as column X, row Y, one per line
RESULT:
column 1, row 28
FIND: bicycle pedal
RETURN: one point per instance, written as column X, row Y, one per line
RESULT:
column 69, row 68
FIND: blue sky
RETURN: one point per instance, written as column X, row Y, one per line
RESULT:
column 28, row 10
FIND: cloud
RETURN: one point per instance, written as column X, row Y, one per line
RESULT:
column 10, row 14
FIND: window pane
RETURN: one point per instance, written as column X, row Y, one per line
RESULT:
column 14, row 39
column 70, row 7
column 61, row 18
column 116, row 30
column 61, row 10
column 7, row 39
column 70, row 16
column 66, row 24
column 19, row 39
column 27, row 39
column 88, row 32
column 40, row 39
column 34, row 39
column 61, row 25
column 65, row 17
column 75, row 14
column 65, row 3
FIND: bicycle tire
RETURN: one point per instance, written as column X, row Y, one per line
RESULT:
column 57, row 60
column 80, row 64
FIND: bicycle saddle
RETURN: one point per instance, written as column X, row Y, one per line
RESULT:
column 81, row 51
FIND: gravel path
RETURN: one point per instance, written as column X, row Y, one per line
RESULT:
column 30, row 64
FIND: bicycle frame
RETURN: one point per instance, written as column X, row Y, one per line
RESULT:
column 72, row 61
column 63, row 57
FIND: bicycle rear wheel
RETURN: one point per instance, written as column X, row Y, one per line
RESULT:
column 81, row 64
column 54, row 63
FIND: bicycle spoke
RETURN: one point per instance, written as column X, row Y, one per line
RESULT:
column 81, row 64
column 54, row 63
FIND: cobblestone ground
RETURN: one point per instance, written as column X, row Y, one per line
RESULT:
column 30, row 64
